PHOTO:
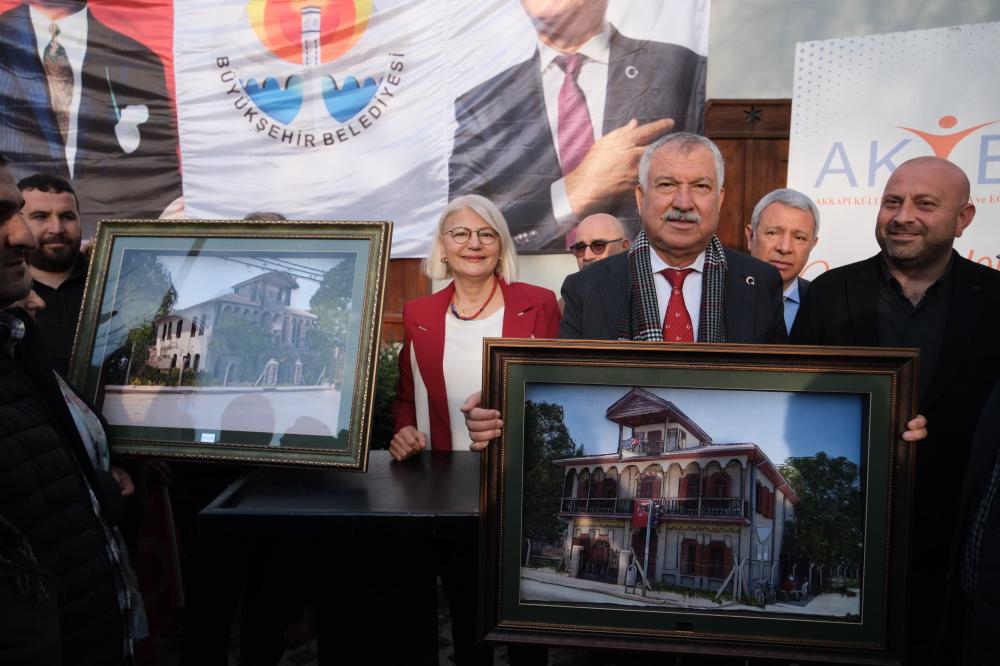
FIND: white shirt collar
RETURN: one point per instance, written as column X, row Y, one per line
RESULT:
column 657, row 264
column 72, row 33
column 596, row 48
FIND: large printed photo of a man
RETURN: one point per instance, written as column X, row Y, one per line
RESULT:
column 84, row 101
column 558, row 136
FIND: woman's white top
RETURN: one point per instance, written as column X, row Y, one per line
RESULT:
column 463, row 373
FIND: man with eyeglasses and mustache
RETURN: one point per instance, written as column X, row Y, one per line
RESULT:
column 59, row 269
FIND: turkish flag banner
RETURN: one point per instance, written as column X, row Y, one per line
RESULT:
column 640, row 513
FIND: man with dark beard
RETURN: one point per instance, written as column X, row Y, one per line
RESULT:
column 59, row 269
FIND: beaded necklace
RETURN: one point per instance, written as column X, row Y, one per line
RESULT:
column 454, row 310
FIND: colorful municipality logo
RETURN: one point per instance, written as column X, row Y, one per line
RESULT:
column 316, row 95
column 842, row 165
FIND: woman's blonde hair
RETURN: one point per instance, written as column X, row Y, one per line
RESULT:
column 434, row 266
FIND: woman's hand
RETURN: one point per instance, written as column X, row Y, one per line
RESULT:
column 407, row 442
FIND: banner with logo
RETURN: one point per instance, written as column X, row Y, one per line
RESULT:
column 350, row 109
column 347, row 108
column 864, row 105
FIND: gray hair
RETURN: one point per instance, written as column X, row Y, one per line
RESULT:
column 685, row 141
column 436, row 269
column 786, row 197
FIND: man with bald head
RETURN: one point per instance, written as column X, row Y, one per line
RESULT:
column 598, row 236
column 918, row 292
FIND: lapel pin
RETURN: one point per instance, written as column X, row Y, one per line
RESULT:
column 631, row 72
column 751, row 281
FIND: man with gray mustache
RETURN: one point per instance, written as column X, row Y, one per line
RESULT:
column 677, row 283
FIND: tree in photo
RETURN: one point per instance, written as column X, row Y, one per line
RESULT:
column 145, row 291
column 327, row 340
column 546, row 438
column 828, row 523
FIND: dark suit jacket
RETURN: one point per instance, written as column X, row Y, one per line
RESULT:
column 842, row 309
column 803, row 288
column 109, row 182
column 504, row 148
column 529, row 312
column 596, row 298
column 973, row 620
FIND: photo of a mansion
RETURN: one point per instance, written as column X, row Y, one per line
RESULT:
column 717, row 501
column 183, row 336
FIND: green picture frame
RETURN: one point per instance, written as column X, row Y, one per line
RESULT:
column 707, row 472
column 234, row 341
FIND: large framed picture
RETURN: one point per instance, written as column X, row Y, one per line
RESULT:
column 715, row 499
column 234, row 341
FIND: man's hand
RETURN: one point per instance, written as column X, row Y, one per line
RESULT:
column 125, row 484
column 611, row 168
column 407, row 442
column 174, row 210
column 916, row 429
column 483, row 424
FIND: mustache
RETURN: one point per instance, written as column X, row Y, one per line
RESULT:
column 894, row 226
column 678, row 215
column 60, row 237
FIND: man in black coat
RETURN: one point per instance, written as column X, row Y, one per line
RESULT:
column 973, row 612
column 918, row 292
column 108, row 128
column 508, row 144
column 50, row 494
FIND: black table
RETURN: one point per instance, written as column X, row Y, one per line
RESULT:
column 362, row 548
column 439, row 485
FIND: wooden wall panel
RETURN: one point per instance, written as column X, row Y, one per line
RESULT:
column 753, row 138
column 404, row 282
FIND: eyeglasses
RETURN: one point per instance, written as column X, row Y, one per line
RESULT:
column 461, row 235
column 597, row 247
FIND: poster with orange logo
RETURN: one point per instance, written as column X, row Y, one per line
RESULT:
column 385, row 110
column 348, row 109
column 864, row 105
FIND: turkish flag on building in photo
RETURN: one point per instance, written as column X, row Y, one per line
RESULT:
column 640, row 513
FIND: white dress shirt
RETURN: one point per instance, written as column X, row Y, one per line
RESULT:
column 593, row 81
column 73, row 38
column 463, row 373
column 691, row 289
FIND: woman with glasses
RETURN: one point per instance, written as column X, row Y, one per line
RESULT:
column 440, row 364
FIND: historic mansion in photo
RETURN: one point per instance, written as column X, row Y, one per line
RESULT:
column 717, row 500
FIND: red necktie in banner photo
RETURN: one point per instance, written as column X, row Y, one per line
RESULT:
column 576, row 134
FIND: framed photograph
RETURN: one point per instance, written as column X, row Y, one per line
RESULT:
column 716, row 499
column 235, row 341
